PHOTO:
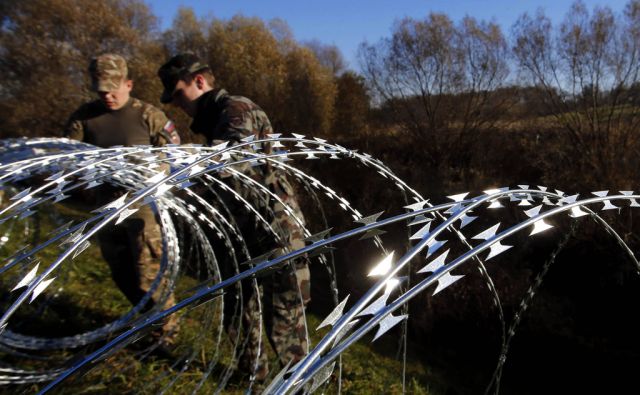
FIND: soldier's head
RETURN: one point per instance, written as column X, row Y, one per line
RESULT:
column 185, row 78
column 110, row 79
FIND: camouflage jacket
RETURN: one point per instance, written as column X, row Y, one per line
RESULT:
column 137, row 123
column 221, row 117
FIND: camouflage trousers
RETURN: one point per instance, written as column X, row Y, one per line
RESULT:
column 133, row 250
column 282, row 297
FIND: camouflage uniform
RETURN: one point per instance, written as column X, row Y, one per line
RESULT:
column 220, row 118
column 137, row 123
column 132, row 249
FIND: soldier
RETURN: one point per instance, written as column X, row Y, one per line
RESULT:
column 189, row 84
column 132, row 249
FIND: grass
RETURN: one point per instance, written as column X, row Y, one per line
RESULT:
column 84, row 297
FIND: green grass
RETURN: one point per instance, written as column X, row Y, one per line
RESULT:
column 83, row 297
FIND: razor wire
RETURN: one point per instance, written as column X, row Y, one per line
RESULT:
column 15, row 173
column 63, row 167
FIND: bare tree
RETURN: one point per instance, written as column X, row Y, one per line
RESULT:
column 586, row 69
column 439, row 79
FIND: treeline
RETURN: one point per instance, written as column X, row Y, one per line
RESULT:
column 565, row 96
column 45, row 46
column 448, row 106
column 466, row 102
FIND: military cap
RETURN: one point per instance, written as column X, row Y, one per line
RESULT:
column 175, row 69
column 107, row 72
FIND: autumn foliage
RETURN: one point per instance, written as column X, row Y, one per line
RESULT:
column 462, row 100
column 449, row 106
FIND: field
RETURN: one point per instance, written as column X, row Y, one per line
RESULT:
column 83, row 298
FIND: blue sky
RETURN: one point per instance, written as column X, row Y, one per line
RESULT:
column 348, row 23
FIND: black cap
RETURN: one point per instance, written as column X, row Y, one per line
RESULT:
column 175, row 69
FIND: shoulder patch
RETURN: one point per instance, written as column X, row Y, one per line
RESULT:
column 172, row 133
